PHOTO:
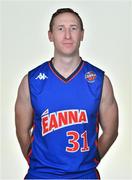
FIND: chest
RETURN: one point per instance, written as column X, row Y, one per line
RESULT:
column 56, row 95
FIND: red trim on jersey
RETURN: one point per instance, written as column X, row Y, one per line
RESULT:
column 97, row 130
column 96, row 143
column 95, row 160
column 30, row 151
column 28, row 156
column 97, row 174
column 97, row 122
column 66, row 80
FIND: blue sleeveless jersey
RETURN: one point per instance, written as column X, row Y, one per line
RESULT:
column 65, row 131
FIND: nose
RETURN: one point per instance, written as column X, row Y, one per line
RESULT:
column 67, row 34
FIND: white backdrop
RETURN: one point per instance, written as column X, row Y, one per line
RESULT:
column 106, row 44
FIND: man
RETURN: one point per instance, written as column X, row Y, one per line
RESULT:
column 60, row 105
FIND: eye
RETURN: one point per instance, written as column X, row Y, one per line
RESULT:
column 60, row 28
column 74, row 28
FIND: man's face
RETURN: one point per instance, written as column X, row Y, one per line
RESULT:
column 66, row 34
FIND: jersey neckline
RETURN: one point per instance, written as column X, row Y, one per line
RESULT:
column 71, row 76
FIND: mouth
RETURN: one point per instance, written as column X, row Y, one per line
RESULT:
column 68, row 44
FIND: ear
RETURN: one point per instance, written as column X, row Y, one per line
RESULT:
column 82, row 35
column 50, row 36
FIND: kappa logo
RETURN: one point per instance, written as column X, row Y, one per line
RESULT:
column 90, row 76
column 41, row 76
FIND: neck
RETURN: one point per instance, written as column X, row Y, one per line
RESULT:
column 66, row 65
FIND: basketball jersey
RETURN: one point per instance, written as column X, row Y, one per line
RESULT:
column 65, row 131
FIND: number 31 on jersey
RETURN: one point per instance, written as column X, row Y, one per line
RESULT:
column 74, row 144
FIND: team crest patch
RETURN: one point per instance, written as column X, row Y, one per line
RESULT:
column 90, row 76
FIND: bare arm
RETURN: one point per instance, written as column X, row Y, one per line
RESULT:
column 23, row 116
column 108, row 114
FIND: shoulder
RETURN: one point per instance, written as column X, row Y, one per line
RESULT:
column 107, row 85
column 23, row 89
column 93, row 70
column 93, row 74
column 41, row 68
column 107, row 93
column 92, row 67
column 24, row 85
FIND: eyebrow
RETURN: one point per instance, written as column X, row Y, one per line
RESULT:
column 61, row 25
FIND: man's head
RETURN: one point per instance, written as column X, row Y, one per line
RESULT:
column 66, row 32
column 61, row 11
